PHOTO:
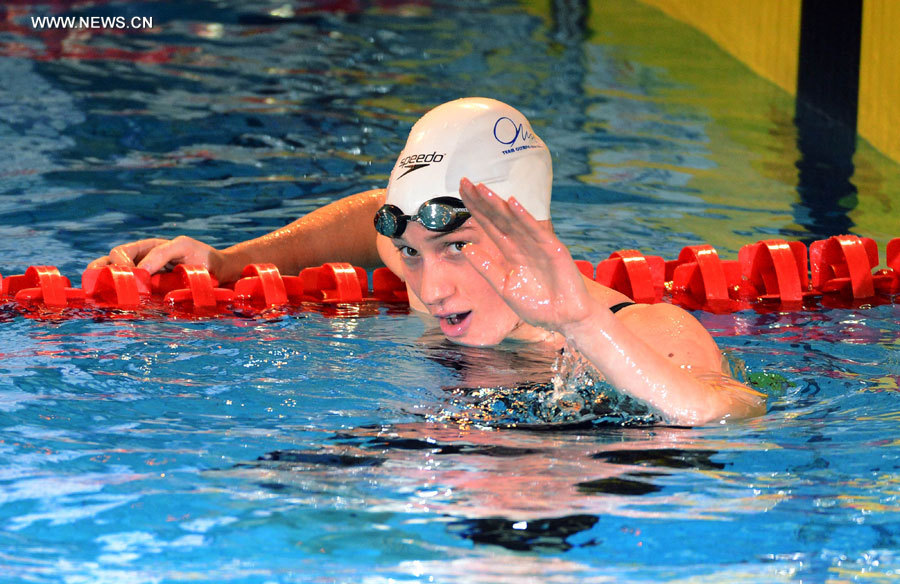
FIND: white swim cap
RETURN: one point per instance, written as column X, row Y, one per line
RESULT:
column 481, row 139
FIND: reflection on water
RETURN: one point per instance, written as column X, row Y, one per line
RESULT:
column 827, row 194
column 502, row 481
column 318, row 433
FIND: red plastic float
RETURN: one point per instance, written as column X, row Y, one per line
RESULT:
column 888, row 281
column 197, row 290
column 262, row 284
column 701, row 280
column 585, row 267
column 641, row 278
column 893, row 254
column 42, row 284
column 839, row 269
column 387, row 287
column 843, row 264
column 335, row 282
column 117, row 286
column 775, row 270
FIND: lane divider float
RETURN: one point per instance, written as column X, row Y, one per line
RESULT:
column 768, row 275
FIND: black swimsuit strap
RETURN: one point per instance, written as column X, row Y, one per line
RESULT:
column 616, row 308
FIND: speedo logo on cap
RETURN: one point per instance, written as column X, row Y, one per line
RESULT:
column 417, row 161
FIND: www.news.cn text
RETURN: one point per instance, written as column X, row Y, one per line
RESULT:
column 91, row 22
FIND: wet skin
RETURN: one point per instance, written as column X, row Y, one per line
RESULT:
column 468, row 309
column 504, row 275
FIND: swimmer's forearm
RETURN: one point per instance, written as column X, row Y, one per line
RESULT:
column 637, row 369
column 341, row 231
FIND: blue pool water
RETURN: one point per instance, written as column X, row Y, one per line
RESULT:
column 299, row 447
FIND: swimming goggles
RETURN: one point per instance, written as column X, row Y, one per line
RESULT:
column 439, row 214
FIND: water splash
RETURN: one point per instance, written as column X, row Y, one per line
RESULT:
column 576, row 395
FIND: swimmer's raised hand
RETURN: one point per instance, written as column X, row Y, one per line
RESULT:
column 537, row 276
column 155, row 254
column 657, row 353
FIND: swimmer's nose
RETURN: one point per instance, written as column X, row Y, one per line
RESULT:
column 437, row 282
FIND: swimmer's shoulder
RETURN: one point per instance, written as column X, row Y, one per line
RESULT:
column 668, row 328
column 628, row 310
column 625, row 307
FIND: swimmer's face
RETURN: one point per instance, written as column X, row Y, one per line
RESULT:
column 469, row 310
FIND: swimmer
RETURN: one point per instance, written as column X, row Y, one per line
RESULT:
column 465, row 223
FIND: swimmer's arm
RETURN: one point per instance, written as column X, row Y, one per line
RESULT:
column 537, row 278
column 341, row 231
column 664, row 357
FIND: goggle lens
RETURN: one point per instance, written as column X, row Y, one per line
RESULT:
column 389, row 220
column 440, row 214
column 436, row 216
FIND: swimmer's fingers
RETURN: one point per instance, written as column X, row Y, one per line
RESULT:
column 481, row 209
column 518, row 235
column 181, row 250
column 154, row 254
column 99, row 262
column 131, row 254
column 127, row 254
column 534, row 273
column 496, row 273
column 505, row 222
column 515, row 241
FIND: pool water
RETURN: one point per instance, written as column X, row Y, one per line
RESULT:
column 304, row 447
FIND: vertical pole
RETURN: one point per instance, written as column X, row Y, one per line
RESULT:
column 826, row 113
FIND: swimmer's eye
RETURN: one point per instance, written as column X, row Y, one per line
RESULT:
column 457, row 246
column 407, row 251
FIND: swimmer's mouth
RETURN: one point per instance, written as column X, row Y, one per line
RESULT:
column 455, row 319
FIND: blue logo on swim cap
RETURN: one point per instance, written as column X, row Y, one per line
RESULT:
column 506, row 131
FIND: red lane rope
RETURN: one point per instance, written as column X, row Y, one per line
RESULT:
column 768, row 275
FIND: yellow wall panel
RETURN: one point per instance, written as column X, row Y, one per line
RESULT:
column 763, row 34
column 879, row 76
column 674, row 44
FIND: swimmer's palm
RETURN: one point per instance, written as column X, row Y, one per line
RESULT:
column 536, row 275
column 541, row 283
